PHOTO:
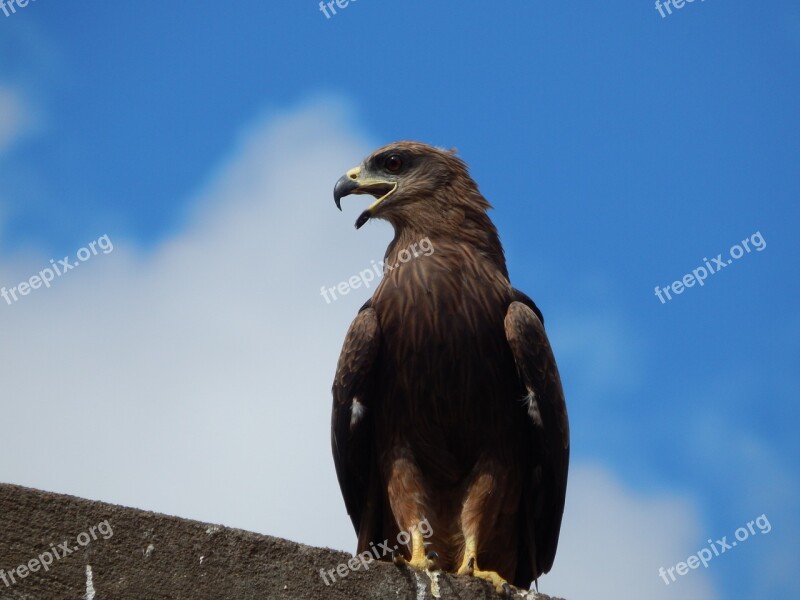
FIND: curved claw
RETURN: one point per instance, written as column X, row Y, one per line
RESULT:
column 500, row 585
column 398, row 558
column 433, row 560
column 471, row 566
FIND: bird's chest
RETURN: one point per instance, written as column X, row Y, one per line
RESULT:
column 440, row 330
column 438, row 314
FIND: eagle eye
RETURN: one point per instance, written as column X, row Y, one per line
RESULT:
column 393, row 163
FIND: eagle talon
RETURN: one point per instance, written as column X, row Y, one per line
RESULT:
column 433, row 560
column 496, row 580
column 469, row 567
column 398, row 558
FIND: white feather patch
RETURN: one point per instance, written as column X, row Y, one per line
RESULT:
column 357, row 412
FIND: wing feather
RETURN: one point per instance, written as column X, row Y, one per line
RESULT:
column 544, row 407
column 351, row 432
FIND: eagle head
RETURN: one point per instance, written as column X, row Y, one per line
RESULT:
column 414, row 184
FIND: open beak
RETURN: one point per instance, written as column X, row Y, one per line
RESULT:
column 357, row 182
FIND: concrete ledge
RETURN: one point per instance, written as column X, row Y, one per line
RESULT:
column 112, row 552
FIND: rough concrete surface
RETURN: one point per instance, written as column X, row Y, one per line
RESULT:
column 119, row 553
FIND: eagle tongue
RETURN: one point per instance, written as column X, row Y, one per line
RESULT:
column 363, row 218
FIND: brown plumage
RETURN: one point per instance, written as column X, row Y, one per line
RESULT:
column 447, row 403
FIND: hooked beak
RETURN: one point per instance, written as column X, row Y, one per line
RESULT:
column 354, row 182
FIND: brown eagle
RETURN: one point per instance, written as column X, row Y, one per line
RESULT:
column 447, row 402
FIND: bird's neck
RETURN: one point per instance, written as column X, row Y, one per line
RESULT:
column 476, row 231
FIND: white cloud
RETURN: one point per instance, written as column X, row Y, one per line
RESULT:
column 194, row 379
column 16, row 119
column 755, row 479
column 613, row 542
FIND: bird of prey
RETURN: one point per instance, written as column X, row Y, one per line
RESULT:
column 447, row 402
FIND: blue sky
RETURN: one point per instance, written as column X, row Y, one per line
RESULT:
column 619, row 150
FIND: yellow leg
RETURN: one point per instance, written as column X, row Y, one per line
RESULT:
column 418, row 555
column 469, row 566
column 419, row 558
